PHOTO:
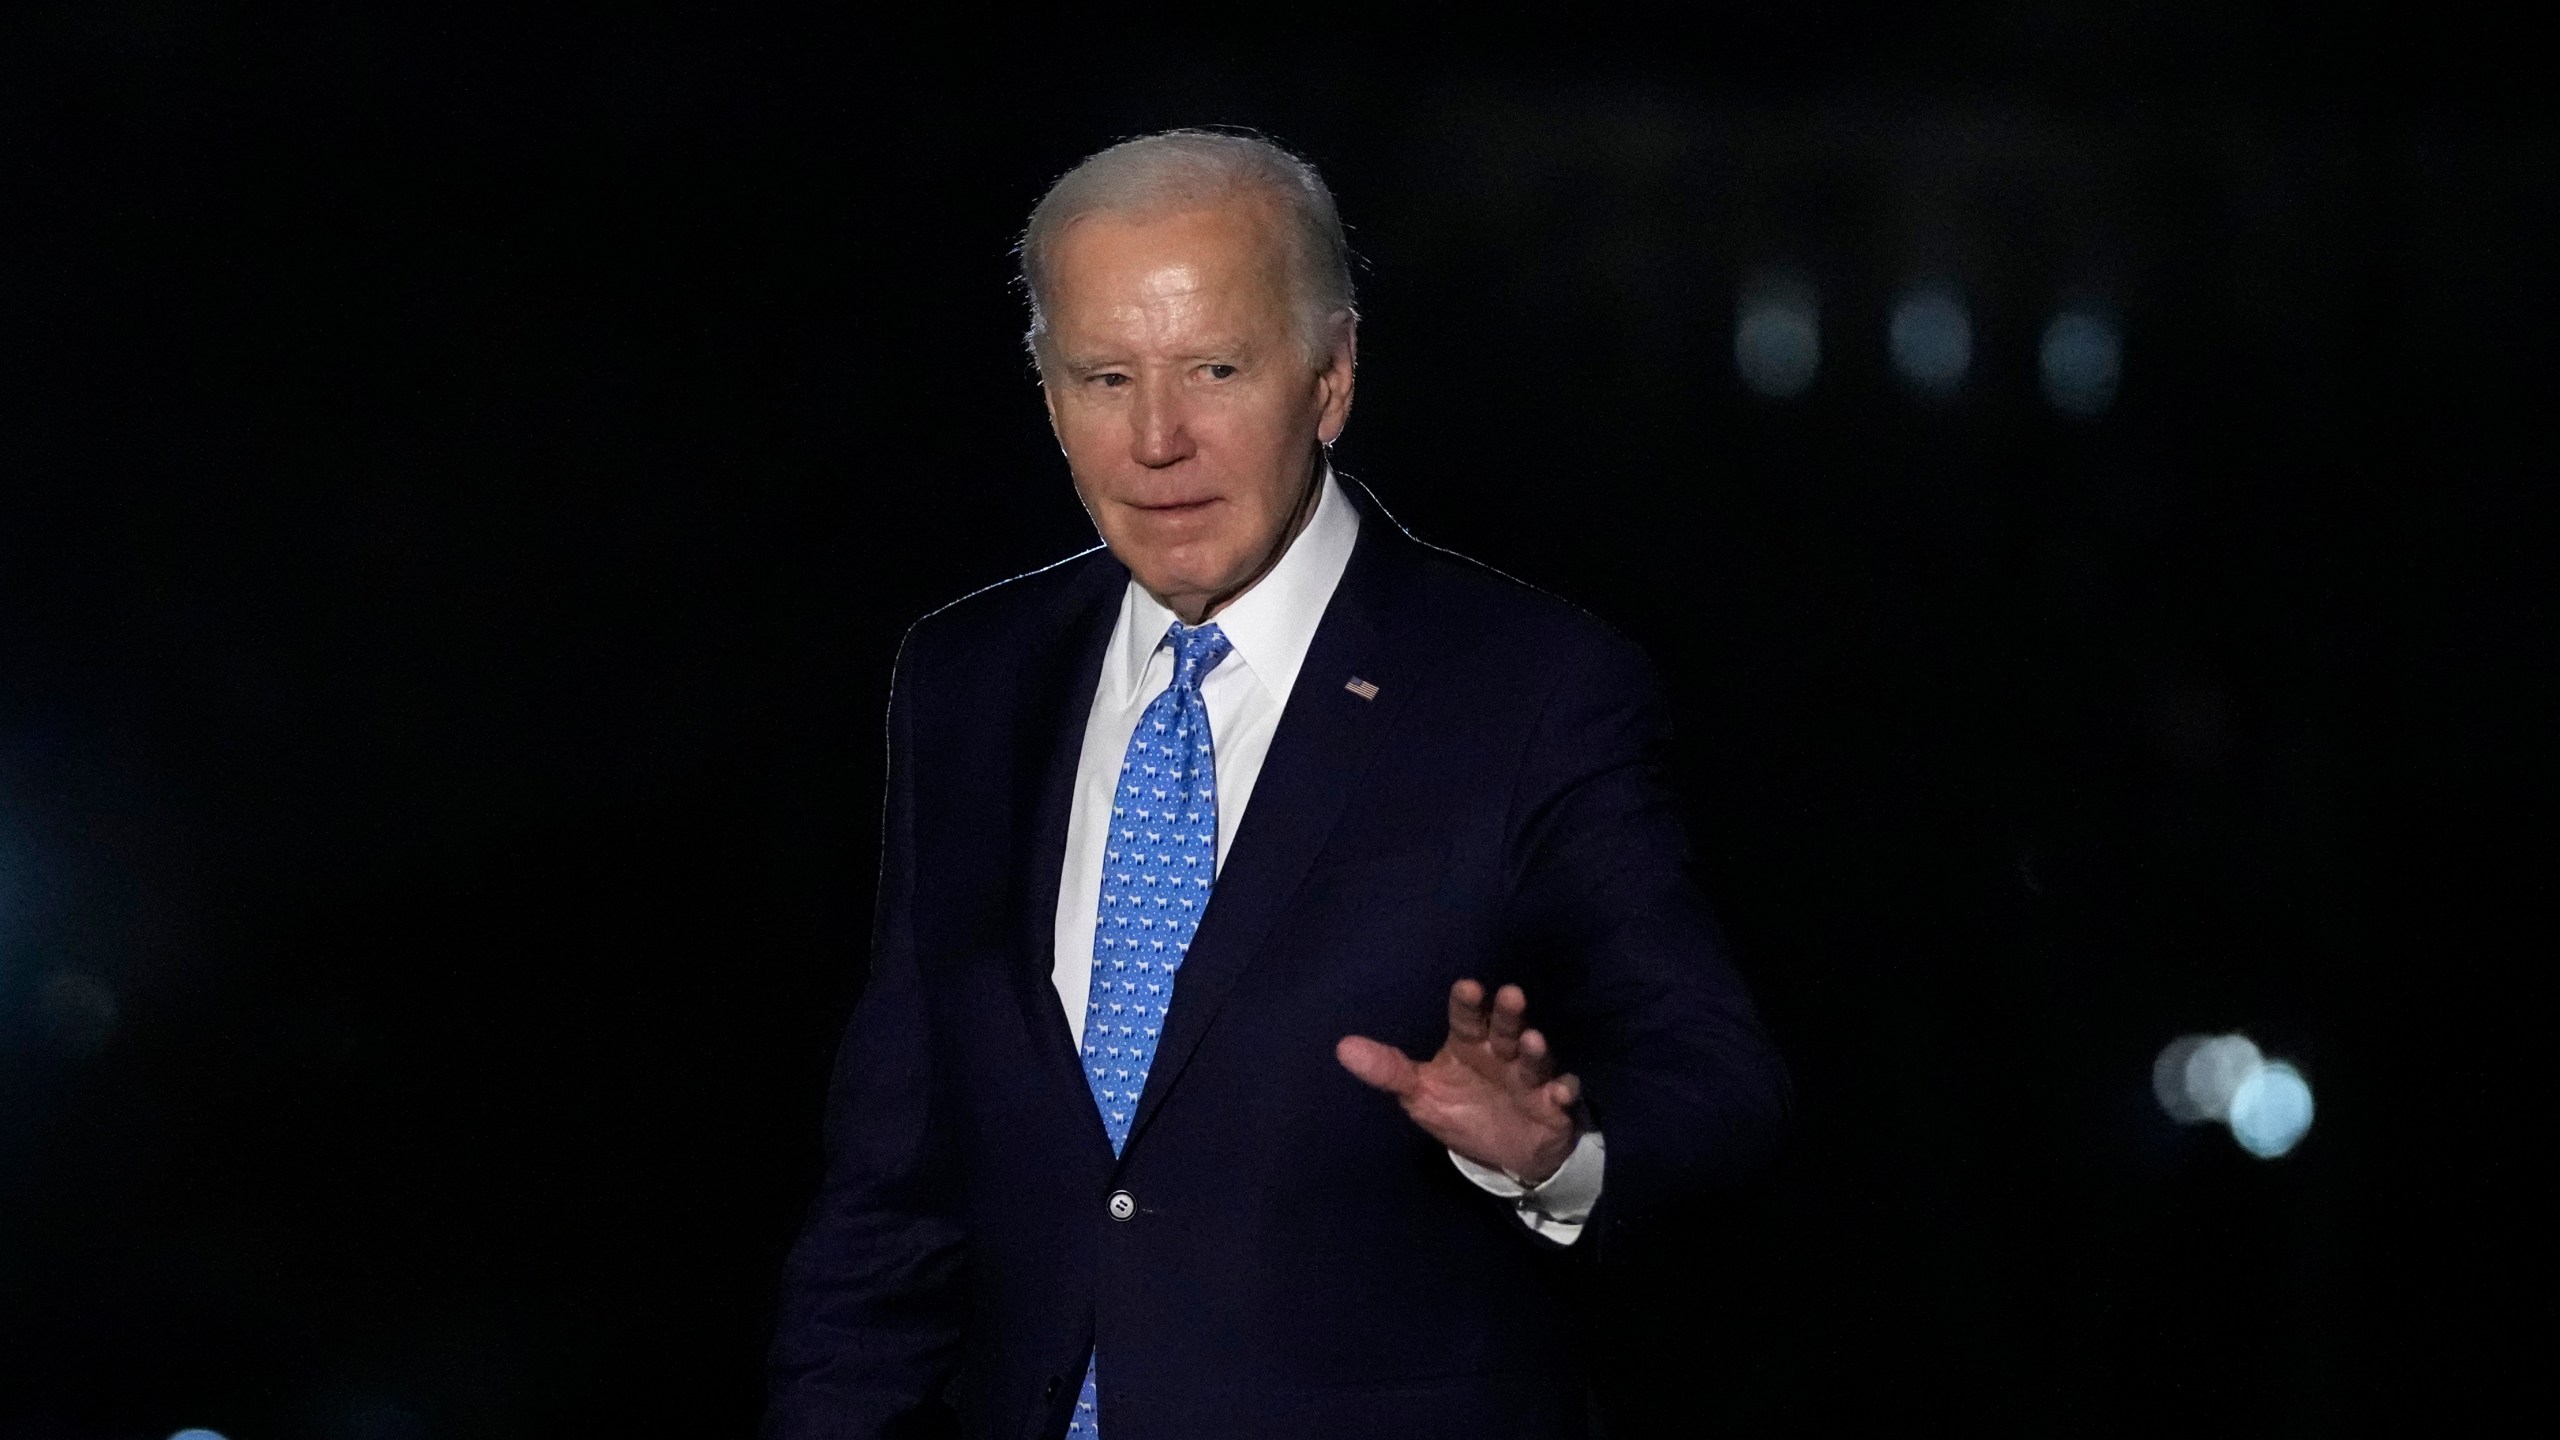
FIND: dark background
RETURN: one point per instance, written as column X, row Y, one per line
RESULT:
column 462, row 481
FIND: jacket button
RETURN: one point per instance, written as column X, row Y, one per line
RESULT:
column 1049, row 1391
column 1123, row 1204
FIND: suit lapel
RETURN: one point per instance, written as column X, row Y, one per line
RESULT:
column 1326, row 737
column 1058, row 696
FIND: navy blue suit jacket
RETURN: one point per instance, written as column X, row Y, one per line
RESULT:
column 1302, row 1259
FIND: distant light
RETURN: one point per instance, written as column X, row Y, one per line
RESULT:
column 2215, row 1072
column 1777, row 338
column 2195, row 1076
column 2082, row 360
column 198, row 1435
column 1932, row 339
column 2271, row 1110
column 2266, row 1102
column 2169, row 1079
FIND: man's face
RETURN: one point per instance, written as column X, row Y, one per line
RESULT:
column 1187, row 406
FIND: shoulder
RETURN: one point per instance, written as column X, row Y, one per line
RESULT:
column 1514, row 660
column 1500, row 623
column 1018, row 615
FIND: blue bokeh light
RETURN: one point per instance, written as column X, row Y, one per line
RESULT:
column 1931, row 336
column 196, row 1434
column 2271, row 1110
column 1777, row 340
column 2081, row 362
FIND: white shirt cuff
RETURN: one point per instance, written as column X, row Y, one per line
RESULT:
column 1557, row 1206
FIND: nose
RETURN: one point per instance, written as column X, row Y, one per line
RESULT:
column 1158, row 436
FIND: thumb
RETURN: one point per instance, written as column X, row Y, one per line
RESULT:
column 1382, row 1066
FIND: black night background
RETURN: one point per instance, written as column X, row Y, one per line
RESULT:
column 463, row 479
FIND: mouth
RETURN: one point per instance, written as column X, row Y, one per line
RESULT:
column 1173, row 509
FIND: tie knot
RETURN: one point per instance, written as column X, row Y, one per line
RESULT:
column 1197, row 649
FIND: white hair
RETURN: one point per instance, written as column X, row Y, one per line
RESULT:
column 1183, row 169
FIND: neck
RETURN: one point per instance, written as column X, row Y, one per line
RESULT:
column 1198, row 609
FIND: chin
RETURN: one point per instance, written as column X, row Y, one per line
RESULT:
column 1177, row 587
column 1184, row 571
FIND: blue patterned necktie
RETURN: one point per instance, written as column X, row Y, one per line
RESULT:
column 1157, row 867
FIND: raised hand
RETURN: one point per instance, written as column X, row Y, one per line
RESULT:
column 1491, row 1094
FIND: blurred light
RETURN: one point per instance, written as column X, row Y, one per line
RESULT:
column 2082, row 359
column 1777, row 338
column 197, row 1435
column 2196, row 1074
column 2270, row 1110
column 2216, row 1069
column 1932, row 339
column 2223, row 1077
column 2169, row 1079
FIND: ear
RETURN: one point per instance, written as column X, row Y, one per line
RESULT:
column 1333, row 381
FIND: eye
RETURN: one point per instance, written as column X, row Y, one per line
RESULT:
column 1109, row 379
column 1220, row 372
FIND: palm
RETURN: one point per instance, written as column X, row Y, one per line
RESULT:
column 1491, row 1093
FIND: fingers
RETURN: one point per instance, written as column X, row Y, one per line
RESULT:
column 1535, row 1060
column 1493, row 1036
column 1383, row 1067
column 1466, row 1012
column 1564, row 1090
column 1472, row 1021
column 1510, row 1014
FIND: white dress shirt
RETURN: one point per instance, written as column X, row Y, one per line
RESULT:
column 1269, row 628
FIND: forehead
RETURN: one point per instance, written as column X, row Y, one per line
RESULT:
column 1222, row 254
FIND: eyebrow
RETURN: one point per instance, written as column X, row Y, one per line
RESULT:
column 1224, row 352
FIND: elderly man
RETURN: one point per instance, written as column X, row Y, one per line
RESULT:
column 1193, row 841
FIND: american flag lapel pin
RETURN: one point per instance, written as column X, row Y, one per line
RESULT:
column 1361, row 688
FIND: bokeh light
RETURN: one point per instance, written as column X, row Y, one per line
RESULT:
column 2266, row 1102
column 2081, row 363
column 1777, row 338
column 1931, row 336
column 2216, row 1070
column 197, row 1435
column 2169, row 1079
column 2271, row 1110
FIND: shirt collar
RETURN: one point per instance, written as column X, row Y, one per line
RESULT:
column 1270, row 625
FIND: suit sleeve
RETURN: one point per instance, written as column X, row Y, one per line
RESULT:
column 1638, row 993
column 870, row 1326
